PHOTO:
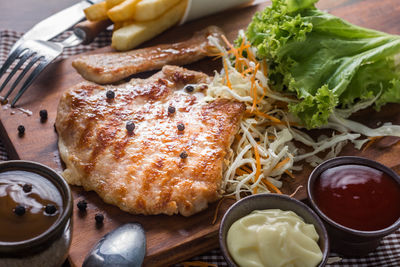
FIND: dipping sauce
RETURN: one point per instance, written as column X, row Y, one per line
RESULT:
column 358, row 197
column 33, row 192
column 273, row 238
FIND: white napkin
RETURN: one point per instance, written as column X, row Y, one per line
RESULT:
column 199, row 8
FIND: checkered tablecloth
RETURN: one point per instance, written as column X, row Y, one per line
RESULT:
column 387, row 254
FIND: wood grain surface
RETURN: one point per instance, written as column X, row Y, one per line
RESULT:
column 171, row 239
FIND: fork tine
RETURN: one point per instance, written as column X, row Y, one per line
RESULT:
column 21, row 75
column 25, row 56
column 30, row 79
column 11, row 59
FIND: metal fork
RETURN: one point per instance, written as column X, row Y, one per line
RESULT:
column 43, row 53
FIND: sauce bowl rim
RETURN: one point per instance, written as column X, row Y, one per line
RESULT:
column 347, row 160
column 56, row 179
column 285, row 198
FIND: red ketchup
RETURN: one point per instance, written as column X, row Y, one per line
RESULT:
column 358, row 197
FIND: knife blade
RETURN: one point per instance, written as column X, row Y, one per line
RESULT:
column 56, row 24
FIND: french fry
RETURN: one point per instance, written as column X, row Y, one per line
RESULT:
column 112, row 3
column 123, row 11
column 133, row 35
column 96, row 12
column 118, row 25
column 127, row 22
column 151, row 9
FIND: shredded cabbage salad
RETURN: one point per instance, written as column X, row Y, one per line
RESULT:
column 270, row 142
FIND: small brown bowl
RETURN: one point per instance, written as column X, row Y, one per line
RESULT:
column 271, row 201
column 344, row 240
column 49, row 248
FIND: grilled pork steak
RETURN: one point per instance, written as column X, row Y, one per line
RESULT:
column 112, row 67
column 151, row 146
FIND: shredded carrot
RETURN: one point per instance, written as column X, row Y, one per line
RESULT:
column 289, row 173
column 292, row 123
column 247, row 169
column 280, row 164
column 250, row 55
column 216, row 55
column 248, row 70
column 216, row 211
column 270, row 185
column 239, row 59
column 232, row 50
column 262, row 114
column 281, row 105
column 238, row 137
column 218, row 206
column 371, row 141
column 241, row 48
column 255, row 190
column 263, row 95
column 295, row 191
column 241, row 172
column 265, row 68
column 266, row 124
column 271, row 123
column 258, row 163
column 265, row 72
column 228, row 82
column 252, row 95
column 216, row 58
column 197, row 264
column 253, row 88
column 248, row 115
column 227, row 42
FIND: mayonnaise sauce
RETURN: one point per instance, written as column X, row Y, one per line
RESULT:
column 273, row 238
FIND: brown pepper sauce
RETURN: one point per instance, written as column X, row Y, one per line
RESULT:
column 35, row 221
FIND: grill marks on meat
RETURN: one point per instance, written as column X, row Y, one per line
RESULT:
column 142, row 172
column 112, row 67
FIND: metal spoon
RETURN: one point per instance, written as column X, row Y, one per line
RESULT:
column 124, row 246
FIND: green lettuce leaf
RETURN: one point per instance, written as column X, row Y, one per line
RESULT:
column 326, row 62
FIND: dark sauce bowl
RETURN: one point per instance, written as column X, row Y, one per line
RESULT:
column 345, row 240
column 50, row 248
column 271, row 201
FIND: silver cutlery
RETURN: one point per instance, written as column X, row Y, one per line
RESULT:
column 124, row 246
column 56, row 24
column 43, row 53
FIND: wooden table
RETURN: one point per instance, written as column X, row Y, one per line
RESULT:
column 21, row 15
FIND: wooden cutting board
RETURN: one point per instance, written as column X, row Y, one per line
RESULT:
column 171, row 239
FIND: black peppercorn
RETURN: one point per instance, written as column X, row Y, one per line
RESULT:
column 43, row 115
column 171, row 109
column 50, row 209
column 27, row 188
column 181, row 127
column 183, row 155
column 99, row 218
column 130, row 126
column 21, row 130
column 82, row 205
column 110, row 94
column 189, row 88
column 19, row 210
